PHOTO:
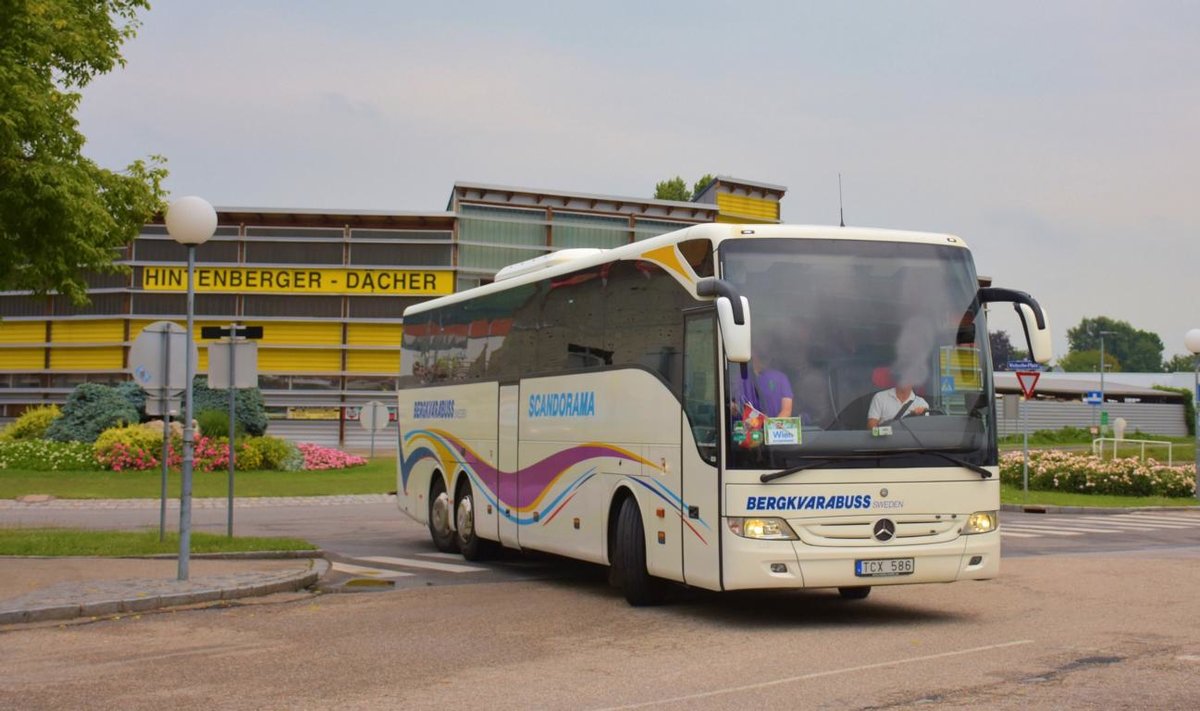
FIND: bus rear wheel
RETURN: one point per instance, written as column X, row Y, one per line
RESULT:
column 470, row 544
column 629, row 559
column 439, row 517
column 855, row 593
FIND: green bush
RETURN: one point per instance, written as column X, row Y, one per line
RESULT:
column 32, row 424
column 251, row 413
column 130, row 447
column 275, row 454
column 45, row 455
column 136, row 397
column 91, row 408
column 215, row 423
column 248, row 458
column 1054, row 470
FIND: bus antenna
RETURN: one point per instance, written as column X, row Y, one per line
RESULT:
column 841, row 210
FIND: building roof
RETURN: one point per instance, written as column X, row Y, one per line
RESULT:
column 568, row 195
column 1068, row 386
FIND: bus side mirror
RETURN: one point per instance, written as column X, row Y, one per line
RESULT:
column 735, row 336
column 1033, row 319
column 1038, row 339
column 733, row 316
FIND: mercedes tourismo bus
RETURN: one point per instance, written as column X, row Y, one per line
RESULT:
column 592, row 404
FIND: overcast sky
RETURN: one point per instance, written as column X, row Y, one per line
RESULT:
column 1059, row 139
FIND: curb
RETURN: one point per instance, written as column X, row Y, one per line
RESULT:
column 284, row 582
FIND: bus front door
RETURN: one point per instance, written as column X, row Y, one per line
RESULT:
column 700, row 488
column 507, row 463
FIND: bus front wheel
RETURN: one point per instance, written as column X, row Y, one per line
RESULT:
column 439, row 518
column 629, row 559
column 469, row 543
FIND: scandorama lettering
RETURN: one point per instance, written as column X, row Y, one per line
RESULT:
column 580, row 404
column 799, row 503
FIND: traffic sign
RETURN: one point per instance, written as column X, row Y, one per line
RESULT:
column 237, row 329
column 1093, row 397
column 156, row 358
column 374, row 416
column 1019, row 365
column 1028, row 382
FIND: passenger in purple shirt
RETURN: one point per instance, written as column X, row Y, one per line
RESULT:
column 766, row 389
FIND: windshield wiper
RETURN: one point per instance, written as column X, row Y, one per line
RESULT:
column 807, row 465
column 772, row 476
column 983, row 473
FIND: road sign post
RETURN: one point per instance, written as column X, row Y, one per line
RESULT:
column 374, row 418
column 158, row 361
column 232, row 364
column 1028, row 381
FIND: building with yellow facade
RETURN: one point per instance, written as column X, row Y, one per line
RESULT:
column 328, row 287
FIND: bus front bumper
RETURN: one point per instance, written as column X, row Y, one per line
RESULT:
column 749, row 564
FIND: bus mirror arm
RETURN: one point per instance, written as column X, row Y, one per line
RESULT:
column 992, row 294
column 712, row 286
column 1037, row 333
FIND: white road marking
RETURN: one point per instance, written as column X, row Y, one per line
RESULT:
column 367, row 572
column 1132, row 525
column 423, row 564
column 1042, row 530
column 818, row 675
column 1189, row 520
column 1014, row 534
column 1054, row 526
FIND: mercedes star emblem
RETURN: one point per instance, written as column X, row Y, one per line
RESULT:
column 884, row 530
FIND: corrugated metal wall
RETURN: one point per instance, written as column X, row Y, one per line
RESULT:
column 1050, row 415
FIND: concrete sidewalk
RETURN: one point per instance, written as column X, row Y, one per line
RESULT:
column 45, row 589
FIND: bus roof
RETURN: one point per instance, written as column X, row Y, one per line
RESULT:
column 529, row 270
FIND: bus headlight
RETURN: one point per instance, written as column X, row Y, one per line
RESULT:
column 981, row 522
column 771, row 529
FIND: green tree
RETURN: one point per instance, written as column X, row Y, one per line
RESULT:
column 61, row 215
column 1137, row 351
column 1089, row 362
column 676, row 188
column 1182, row 363
column 1003, row 350
column 699, row 186
column 672, row 189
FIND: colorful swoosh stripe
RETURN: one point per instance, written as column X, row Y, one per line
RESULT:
column 518, row 497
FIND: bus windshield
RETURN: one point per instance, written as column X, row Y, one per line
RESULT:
column 865, row 353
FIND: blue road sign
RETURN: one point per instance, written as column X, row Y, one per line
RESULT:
column 1018, row 365
column 1093, row 397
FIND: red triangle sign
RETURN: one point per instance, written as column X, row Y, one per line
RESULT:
column 1028, row 382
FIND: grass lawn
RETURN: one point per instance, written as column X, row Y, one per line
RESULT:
column 74, row 542
column 376, row 477
column 1015, row 495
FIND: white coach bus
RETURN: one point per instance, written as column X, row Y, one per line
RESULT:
column 698, row 407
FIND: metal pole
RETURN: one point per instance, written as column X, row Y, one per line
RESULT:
column 165, row 396
column 232, row 421
column 1102, row 405
column 185, row 493
column 1025, row 432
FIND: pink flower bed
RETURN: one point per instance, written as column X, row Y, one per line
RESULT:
column 318, row 457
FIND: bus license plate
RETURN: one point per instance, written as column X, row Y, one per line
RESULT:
column 884, row 568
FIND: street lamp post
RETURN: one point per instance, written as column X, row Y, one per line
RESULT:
column 190, row 221
column 1103, row 367
column 1192, row 340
